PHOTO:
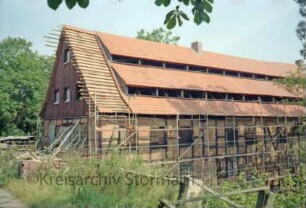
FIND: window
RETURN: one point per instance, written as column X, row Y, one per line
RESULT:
column 124, row 59
column 152, row 63
column 216, row 96
column 194, row 94
column 169, row 93
column 176, row 66
column 250, row 134
column 56, row 97
column 251, row 98
column 158, row 137
column 279, row 99
column 281, row 134
column 266, row 99
column 141, row 91
column 186, row 168
column 215, row 71
column 66, row 56
column 257, row 76
column 67, row 95
column 246, row 75
column 186, row 136
column 234, row 97
column 231, row 73
column 231, row 135
column 197, row 68
column 221, row 168
column 230, row 169
column 78, row 93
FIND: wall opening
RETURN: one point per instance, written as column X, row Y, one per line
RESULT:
column 123, row 59
column 216, row 96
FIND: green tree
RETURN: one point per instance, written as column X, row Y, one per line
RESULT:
column 295, row 82
column 200, row 10
column 158, row 35
column 24, row 76
column 301, row 27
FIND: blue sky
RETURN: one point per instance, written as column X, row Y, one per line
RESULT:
column 261, row 29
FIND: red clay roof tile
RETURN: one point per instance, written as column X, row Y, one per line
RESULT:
column 132, row 47
column 134, row 75
column 172, row 106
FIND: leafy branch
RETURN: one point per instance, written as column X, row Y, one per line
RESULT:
column 54, row 4
column 200, row 10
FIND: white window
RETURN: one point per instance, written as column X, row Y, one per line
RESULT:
column 67, row 95
column 56, row 97
column 66, row 56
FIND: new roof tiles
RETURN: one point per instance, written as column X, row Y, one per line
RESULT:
column 134, row 75
column 133, row 47
column 153, row 77
column 172, row 106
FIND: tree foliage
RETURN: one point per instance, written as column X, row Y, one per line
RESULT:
column 295, row 81
column 54, row 4
column 158, row 35
column 301, row 27
column 200, row 10
column 24, row 78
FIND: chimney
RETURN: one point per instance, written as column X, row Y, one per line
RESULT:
column 197, row 46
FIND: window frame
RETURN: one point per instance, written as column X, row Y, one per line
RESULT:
column 231, row 136
column 56, row 97
column 67, row 95
column 78, row 95
column 67, row 56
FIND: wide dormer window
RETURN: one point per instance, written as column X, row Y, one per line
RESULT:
column 56, row 97
column 67, row 56
column 67, row 95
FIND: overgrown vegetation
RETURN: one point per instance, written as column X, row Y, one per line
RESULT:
column 125, row 181
column 109, row 182
column 24, row 76
column 8, row 166
column 239, row 184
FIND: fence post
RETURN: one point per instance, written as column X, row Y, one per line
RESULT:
column 261, row 199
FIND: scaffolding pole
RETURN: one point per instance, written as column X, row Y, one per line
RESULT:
column 95, row 129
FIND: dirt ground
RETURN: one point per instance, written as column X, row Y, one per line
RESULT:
column 7, row 200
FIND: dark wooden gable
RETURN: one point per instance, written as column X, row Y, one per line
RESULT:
column 64, row 76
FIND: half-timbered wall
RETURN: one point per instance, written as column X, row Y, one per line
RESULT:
column 222, row 146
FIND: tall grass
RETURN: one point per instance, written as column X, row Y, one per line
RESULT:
column 8, row 166
column 107, row 182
